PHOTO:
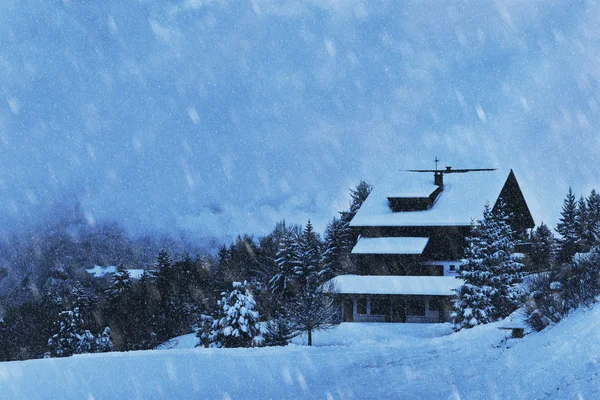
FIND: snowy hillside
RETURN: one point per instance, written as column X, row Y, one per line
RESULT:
column 407, row 361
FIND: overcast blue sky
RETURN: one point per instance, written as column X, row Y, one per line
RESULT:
column 222, row 117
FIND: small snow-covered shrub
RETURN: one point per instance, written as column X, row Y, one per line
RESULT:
column 545, row 305
column 279, row 331
column 569, row 286
column 70, row 337
column 236, row 322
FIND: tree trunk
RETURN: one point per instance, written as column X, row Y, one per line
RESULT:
column 310, row 337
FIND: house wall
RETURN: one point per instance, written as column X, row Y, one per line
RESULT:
column 445, row 242
column 450, row 267
column 396, row 308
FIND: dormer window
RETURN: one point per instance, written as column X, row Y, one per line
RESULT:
column 415, row 203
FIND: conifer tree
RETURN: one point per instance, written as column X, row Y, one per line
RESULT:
column 236, row 321
column 120, row 312
column 282, row 282
column 358, row 196
column 333, row 259
column 584, row 237
column 542, row 244
column 506, row 266
column 70, row 337
column 567, row 228
column 103, row 342
column 593, row 221
column 473, row 303
column 306, row 265
column 490, row 272
column 120, row 283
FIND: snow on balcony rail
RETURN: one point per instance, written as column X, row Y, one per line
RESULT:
column 400, row 285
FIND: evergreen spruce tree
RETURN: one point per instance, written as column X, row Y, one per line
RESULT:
column 593, row 221
column 584, row 237
column 236, row 321
column 567, row 228
column 306, row 265
column 163, row 260
column 542, row 244
column 70, row 337
column 282, row 283
column 506, row 266
column 120, row 309
column 357, row 197
column 490, row 272
column 121, row 282
column 103, row 342
column 473, row 303
column 333, row 258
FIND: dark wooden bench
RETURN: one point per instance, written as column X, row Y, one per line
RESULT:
column 517, row 331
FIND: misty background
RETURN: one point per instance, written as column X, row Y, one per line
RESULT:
column 215, row 118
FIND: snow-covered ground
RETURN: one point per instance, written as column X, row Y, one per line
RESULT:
column 355, row 361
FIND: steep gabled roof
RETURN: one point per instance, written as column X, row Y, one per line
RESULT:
column 461, row 201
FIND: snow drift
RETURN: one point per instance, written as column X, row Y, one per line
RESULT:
column 405, row 361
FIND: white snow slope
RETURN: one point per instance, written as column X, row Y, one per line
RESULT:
column 409, row 362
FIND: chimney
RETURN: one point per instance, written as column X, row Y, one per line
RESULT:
column 448, row 168
column 438, row 178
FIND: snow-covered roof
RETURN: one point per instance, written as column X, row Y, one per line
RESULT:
column 461, row 201
column 407, row 285
column 414, row 188
column 390, row 245
column 99, row 271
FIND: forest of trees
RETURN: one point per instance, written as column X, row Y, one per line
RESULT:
column 263, row 291
column 52, row 307
column 553, row 278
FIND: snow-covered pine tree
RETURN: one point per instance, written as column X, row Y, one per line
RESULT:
column 567, row 228
column 584, row 237
column 542, row 244
column 163, row 260
column 333, row 257
column 357, row 197
column 505, row 264
column 70, row 337
column 282, row 283
column 490, row 271
column 473, row 303
column 103, row 342
column 306, row 263
column 121, row 282
column 236, row 322
column 593, row 221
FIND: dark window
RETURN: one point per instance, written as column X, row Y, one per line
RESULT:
column 453, row 267
column 361, row 305
column 415, row 305
column 380, row 305
column 434, row 270
column 434, row 304
column 348, row 310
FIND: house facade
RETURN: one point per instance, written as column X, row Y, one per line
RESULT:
column 412, row 233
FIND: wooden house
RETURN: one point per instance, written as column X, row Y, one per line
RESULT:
column 411, row 238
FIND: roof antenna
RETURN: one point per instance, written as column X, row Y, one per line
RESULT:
column 436, row 162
